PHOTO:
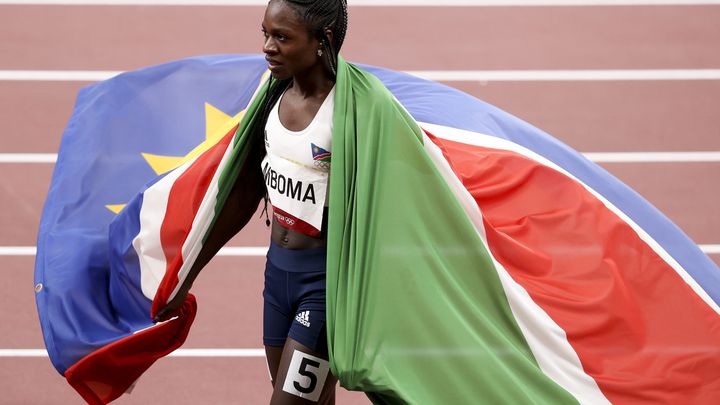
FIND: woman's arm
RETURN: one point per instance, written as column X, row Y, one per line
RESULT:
column 240, row 206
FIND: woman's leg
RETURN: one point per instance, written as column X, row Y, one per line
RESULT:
column 273, row 355
column 277, row 317
column 302, row 377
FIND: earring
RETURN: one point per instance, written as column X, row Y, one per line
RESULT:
column 319, row 52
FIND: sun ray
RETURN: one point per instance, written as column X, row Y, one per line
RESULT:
column 116, row 208
column 217, row 124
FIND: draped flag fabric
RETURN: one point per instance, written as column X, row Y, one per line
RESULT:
column 472, row 258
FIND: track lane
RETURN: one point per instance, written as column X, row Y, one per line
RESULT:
column 677, row 191
column 589, row 116
column 170, row 381
column 23, row 190
column 33, row 115
column 659, row 37
column 613, row 116
column 18, row 316
column 107, row 37
column 229, row 293
column 671, row 187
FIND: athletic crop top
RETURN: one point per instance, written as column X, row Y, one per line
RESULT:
column 296, row 169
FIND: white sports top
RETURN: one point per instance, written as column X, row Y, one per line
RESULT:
column 297, row 167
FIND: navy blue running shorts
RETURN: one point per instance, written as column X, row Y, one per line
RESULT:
column 295, row 297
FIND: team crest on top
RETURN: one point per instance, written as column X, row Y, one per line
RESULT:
column 321, row 157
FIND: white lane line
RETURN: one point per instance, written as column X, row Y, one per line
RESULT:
column 28, row 157
column 653, row 157
column 226, row 251
column 597, row 157
column 243, row 251
column 566, row 75
column 437, row 75
column 18, row 250
column 58, row 75
column 252, row 251
column 176, row 353
column 376, row 3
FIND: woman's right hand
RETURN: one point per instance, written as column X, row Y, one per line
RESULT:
column 172, row 308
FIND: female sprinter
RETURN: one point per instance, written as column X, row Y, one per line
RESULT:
column 302, row 40
column 294, row 124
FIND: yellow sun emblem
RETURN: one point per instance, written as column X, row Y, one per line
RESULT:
column 217, row 124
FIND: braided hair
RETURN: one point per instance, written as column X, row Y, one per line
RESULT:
column 319, row 16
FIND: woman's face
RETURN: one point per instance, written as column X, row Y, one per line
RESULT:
column 288, row 48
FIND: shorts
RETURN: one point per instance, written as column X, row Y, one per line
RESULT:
column 294, row 297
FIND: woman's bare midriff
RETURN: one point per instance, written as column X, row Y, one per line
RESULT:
column 294, row 240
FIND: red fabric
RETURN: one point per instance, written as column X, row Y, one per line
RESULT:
column 107, row 373
column 636, row 326
column 183, row 203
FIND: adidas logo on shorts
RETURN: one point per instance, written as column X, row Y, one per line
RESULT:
column 303, row 318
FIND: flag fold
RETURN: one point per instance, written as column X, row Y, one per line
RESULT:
column 472, row 258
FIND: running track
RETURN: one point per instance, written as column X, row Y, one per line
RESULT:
column 591, row 116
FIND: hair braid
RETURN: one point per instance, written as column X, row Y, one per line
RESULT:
column 257, row 129
column 321, row 15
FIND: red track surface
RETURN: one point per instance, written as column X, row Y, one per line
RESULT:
column 590, row 116
column 61, row 37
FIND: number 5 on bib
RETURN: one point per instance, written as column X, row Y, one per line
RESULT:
column 306, row 376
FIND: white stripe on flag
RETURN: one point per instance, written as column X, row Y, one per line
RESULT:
column 473, row 138
column 176, row 353
column 147, row 243
column 560, row 363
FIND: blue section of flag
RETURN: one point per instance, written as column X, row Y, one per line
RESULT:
column 159, row 110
